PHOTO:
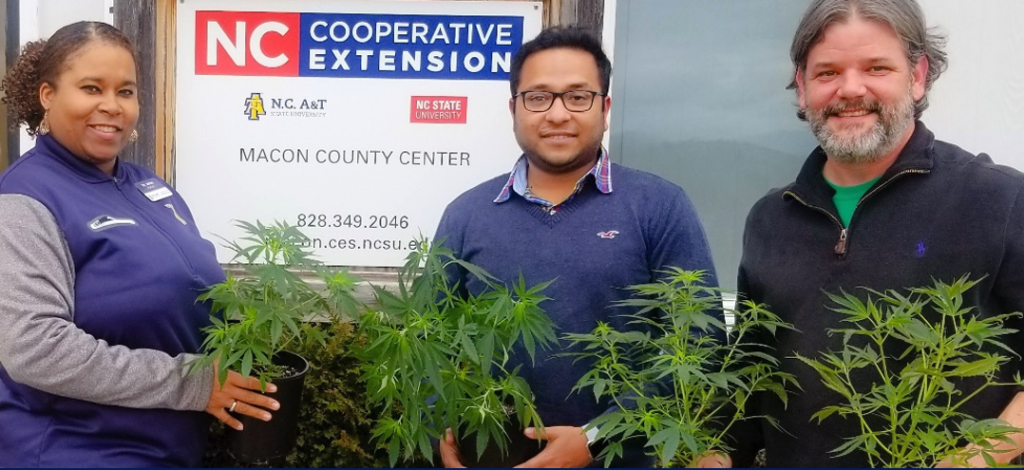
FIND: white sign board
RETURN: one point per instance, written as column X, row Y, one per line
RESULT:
column 357, row 121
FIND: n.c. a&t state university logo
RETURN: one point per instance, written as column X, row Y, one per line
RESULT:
column 257, row 106
column 254, row 107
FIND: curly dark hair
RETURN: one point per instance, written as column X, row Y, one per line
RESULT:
column 43, row 61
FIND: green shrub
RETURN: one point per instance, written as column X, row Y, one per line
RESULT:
column 335, row 425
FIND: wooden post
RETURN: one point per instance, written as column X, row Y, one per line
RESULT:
column 137, row 19
column 10, row 148
column 588, row 14
column 166, row 47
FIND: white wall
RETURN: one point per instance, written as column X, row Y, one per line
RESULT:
column 608, row 43
column 53, row 14
column 978, row 103
column 40, row 18
column 608, row 33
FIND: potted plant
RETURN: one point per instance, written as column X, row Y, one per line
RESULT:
column 259, row 315
column 916, row 345
column 678, row 384
column 436, row 359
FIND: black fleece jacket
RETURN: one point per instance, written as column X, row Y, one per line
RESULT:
column 937, row 213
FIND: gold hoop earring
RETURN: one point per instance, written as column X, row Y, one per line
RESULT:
column 134, row 136
column 44, row 127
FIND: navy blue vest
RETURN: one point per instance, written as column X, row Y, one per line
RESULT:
column 139, row 265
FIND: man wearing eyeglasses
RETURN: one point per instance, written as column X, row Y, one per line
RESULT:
column 566, row 213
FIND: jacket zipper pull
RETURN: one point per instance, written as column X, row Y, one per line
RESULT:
column 841, row 246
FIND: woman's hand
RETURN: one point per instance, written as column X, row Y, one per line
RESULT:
column 237, row 395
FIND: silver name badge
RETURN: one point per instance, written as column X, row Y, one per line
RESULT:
column 154, row 189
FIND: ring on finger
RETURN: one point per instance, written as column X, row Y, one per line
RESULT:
column 233, row 405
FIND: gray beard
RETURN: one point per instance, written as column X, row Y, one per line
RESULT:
column 869, row 146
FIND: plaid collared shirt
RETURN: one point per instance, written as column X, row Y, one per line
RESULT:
column 601, row 171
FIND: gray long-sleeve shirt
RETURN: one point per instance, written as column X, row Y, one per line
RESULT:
column 40, row 345
column 99, row 276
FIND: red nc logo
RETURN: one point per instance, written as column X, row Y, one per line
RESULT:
column 247, row 43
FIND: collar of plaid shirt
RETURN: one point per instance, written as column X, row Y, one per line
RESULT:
column 601, row 171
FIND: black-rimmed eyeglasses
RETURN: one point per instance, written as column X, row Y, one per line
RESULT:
column 577, row 101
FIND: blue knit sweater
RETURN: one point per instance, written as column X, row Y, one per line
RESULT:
column 593, row 247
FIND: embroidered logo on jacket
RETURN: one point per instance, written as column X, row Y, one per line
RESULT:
column 608, row 234
column 104, row 222
column 176, row 216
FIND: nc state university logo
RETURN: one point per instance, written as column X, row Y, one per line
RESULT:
column 247, row 43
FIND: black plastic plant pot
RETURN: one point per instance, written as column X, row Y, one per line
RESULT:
column 267, row 443
column 520, row 449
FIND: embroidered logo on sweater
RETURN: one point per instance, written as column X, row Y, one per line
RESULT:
column 608, row 234
column 104, row 222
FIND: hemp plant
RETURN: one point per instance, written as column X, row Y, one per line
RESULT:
column 676, row 381
column 436, row 357
column 916, row 346
column 261, row 313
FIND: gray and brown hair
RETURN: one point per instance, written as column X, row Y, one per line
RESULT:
column 905, row 17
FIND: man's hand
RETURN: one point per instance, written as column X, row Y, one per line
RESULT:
column 963, row 461
column 449, row 451
column 713, row 459
column 566, row 448
column 1002, row 452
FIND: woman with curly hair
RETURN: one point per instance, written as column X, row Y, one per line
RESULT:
column 100, row 263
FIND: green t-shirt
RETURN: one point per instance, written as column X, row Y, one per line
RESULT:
column 847, row 197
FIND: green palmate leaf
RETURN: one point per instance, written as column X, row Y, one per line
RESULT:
column 778, row 389
column 257, row 315
column 692, row 446
column 660, row 373
column 486, row 347
column 911, row 406
column 246, row 363
column 720, row 379
column 394, row 446
column 470, row 348
column 599, row 387
column 237, row 356
column 439, row 344
column 980, row 367
column 829, row 411
column 668, row 440
column 832, row 378
column 852, row 445
column 276, row 330
column 917, row 331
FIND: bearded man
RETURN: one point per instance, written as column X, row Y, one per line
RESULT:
column 880, row 204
